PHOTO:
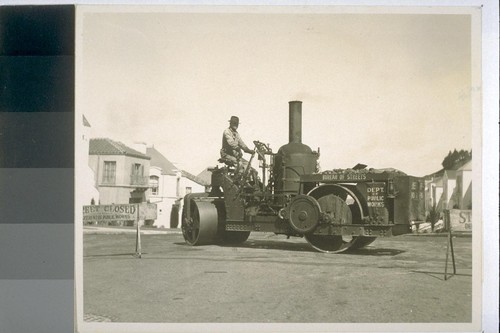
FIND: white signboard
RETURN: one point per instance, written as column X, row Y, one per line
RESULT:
column 125, row 212
column 461, row 220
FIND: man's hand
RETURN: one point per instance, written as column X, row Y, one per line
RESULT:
column 238, row 154
column 248, row 150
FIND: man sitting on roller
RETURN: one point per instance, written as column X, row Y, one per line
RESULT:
column 232, row 145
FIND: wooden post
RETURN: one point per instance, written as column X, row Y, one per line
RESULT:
column 449, row 246
column 138, row 250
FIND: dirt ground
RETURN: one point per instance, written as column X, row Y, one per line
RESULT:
column 271, row 279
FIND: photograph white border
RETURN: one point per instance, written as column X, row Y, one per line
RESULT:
column 488, row 238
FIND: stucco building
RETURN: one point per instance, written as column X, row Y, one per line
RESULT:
column 450, row 189
column 121, row 174
column 88, row 186
column 168, row 186
column 464, row 186
column 434, row 192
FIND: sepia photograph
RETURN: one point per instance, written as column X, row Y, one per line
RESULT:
column 291, row 168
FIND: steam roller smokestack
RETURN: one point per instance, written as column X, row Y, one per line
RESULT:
column 295, row 122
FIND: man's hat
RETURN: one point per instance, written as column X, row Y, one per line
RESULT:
column 234, row 120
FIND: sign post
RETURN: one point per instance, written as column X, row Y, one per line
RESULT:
column 121, row 213
column 447, row 221
column 138, row 250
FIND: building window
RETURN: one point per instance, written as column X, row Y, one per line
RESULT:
column 137, row 169
column 153, row 183
column 109, row 175
column 188, row 190
column 137, row 175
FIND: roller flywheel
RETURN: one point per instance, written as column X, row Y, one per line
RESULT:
column 304, row 213
column 201, row 227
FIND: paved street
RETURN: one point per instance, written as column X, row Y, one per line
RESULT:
column 271, row 279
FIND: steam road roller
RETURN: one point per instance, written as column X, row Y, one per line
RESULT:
column 334, row 210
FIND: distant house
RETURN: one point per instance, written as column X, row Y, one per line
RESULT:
column 434, row 192
column 168, row 186
column 441, row 190
column 90, row 193
column 449, row 189
column 464, row 186
column 121, row 174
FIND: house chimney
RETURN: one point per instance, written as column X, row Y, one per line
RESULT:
column 140, row 147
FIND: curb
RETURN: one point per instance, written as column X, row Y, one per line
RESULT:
column 121, row 230
column 440, row 234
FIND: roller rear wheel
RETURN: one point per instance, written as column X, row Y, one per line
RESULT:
column 202, row 225
column 234, row 237
column 348, row 207
column 336, row 244
column 361, row 241
column 327, row 243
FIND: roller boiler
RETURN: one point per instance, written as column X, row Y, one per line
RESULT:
column 334, row 210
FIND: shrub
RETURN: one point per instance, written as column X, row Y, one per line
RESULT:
column 433, row 216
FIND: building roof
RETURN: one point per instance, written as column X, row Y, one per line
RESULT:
column 105, row 146
column 160, row 161
column 194, row 178
column 451, row 174
column 85, row 122
column 467, row 166
column 457, row 166
column 168, row 168
column 206, row 176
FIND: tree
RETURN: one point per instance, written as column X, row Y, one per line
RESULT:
column 456, row 159
column 433, row 216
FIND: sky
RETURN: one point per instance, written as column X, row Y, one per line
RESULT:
column 386, row 90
